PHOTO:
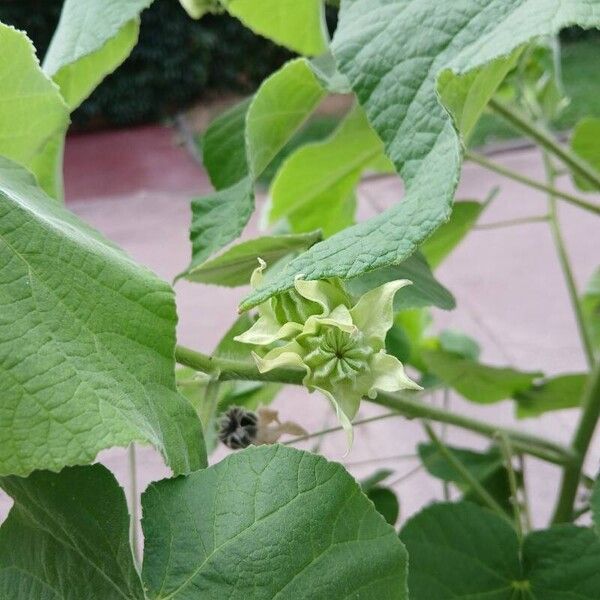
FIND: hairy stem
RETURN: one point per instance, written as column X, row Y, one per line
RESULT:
column 546, row 141
column 581, row 442
column 516, row 176
column 407, row 403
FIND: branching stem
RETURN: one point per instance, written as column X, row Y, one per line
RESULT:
column 406, row 404
column 516, row 176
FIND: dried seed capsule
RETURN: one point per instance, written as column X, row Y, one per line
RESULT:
column 238, row 428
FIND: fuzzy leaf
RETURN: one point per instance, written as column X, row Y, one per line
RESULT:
column 425, row 290
column 224, row 149
column 475, row 381
column 33, row 114
column 393, row 52
column 280, row 106
column 86, row 343
column 298, row 25
column 557, row 393
column 92, row 38
column 315, row 182
column 464, row 551
column 218, row 219
column 67, row 537
column 235, row 266
column 260, row 509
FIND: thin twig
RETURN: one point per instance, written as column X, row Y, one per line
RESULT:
column 310, row 436
column 467, row 477
column 506, row 172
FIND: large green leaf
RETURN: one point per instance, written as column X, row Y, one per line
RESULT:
column 450, row 234
column 556, row 393
column 92, row 39
column 234, row 267
column 424, row 291
column 475, row 381
column 586, row 143
column 393, row 51
column 314, row 183
column 269, row 523
column 280, row 106
column 67, row 538
column 297, row 24
column 32, row 112
column 464, row 551
column 87, row 341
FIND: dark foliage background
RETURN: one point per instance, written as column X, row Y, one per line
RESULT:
column 176, row 62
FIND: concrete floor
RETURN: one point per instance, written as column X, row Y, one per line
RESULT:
column 135, row 188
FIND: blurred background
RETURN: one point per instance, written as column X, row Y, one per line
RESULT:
column 133, row 163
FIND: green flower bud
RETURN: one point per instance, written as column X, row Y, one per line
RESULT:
column 341, row 347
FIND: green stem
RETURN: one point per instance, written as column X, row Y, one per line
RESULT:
column 226, row 369
column 516, row 176
column 521, row 123
column 507, row 454
column 580, row 445
column 404, row 403
column 464, row 473
column 522, row 442
column 566, row 265
column 133, row 504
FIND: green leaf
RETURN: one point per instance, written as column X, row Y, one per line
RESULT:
column 263, row 127
column 218, row 219
column 290, row 523
column 590, row 306
column 424, row 291
column 92, row 39
column 316, row 181
column 67, row 536
column 87, row 341
column 585, row 142
column 392, row 52
column 459, row 343
column 556, row 393
column 280, row 106
column 298, row 25
column 477, row 382
column 386, row 503
column 33, row 113
column 445, row 239
column 224, row 149
column 464, row 551
column 234, row 267
column 486, row 467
